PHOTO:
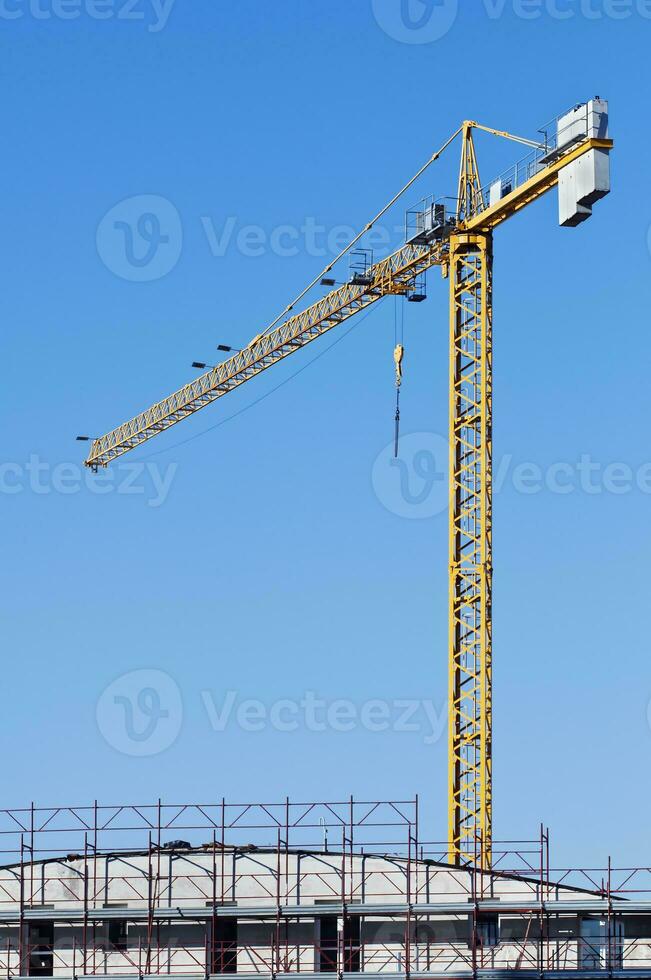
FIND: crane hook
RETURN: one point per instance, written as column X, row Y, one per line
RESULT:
column 398, row 355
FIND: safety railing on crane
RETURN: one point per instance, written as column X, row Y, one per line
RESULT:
column 557, row 137
column 434, row 218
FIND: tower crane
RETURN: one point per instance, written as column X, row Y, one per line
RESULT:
column 572, row 155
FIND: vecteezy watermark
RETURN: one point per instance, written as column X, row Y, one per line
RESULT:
column 38, row 476
column 140, row 239
column 310, row 237
column 416, row 484
column 153, row 13
column 311, row 713
column 427, row 21
column 415, row 21
column 141, row 713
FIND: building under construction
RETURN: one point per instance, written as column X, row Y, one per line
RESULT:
column 263, row 889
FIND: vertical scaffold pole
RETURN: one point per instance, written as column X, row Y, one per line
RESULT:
column 470, row 550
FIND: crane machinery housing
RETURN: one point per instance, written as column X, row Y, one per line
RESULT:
column 457, row 235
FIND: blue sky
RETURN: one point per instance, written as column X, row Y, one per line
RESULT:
column 274, row 558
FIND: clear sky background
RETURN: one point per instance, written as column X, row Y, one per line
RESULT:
column 279, row 553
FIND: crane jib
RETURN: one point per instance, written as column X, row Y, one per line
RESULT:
column 391, row 275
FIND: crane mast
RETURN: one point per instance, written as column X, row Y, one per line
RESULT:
column 470, row 527
column 576, row 160
column 470, row 550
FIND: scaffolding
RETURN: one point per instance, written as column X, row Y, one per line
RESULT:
column 297, row 888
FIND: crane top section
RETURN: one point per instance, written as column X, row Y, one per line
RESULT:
column 573, row 153
column 578, row 135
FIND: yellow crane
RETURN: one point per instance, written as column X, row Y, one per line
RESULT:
column 573, row 155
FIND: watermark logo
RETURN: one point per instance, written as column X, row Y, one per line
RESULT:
column 427, row 21
column 150, row 481
column 415, row 21
column 311, row 713
column 140, row 239
column 310, row 237
column 154, row 13
column 140, row 713
column 415, row 484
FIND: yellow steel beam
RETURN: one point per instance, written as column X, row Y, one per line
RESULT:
column 470, row 199
column 470, row 765
column 470, row 550
column 537, row 185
